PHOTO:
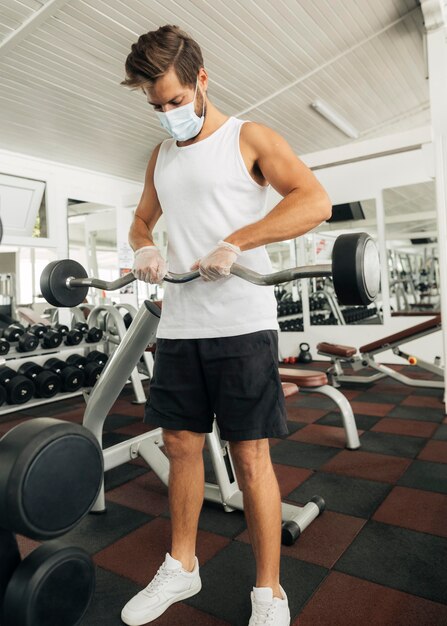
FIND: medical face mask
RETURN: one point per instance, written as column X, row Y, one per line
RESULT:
column 182, row 122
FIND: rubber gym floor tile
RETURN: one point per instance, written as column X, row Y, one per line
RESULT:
column 367, row 465
column 26, row 545
column 119, row 420
column 364, row 422
column 125, row 406
column 324, row 541
column 434, row 451
column 396, row 445
column 433, row 402
column 384, row 398
column 95, row 532
column 428, row 392
column 405, row 427
column 312, row 401
column 301, row 454
column 139, row 554
column 403, row 559
column 122, row 474
column 425, row 475
column 136, row 495
column 6, row 426
column 343, row 600
column 180, row 614
column 294, row 426
column 110, row 439
column 214, row 519
column 56, row 409
column 133, row 430
column 228, row 578
column 289, row 477
column 441, row 433
column 304, row 414
column 417, row 413
column 342, row 494
column 322, row 435
column 377, row 409
column 424, row 511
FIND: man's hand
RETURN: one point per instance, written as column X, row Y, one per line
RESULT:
column 217, row 263
column 149, row 265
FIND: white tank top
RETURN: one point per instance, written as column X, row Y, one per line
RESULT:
column 206, row 193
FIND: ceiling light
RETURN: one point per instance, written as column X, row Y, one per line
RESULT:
column 337, row 120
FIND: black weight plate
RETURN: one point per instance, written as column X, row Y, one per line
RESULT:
column 53, row 283
column 92, row 373
column 73, row 337
column 77, row 360
column 4, row 346
column 94, row 335
column 54, row 585
column 52, row 339
column 27, row 343
column 72, row 378
column 355, row 269
column 19, row 390
column 10, row 559
column 97, row 356
column 47, row 384
column 51, row 475
column 2, row 395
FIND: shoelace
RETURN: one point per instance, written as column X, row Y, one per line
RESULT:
column 263, row 611
column 160, row 577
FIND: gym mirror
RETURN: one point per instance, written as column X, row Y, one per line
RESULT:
column 412, row 248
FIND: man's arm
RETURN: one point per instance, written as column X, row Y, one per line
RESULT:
column 305, row 203
column 148, row 210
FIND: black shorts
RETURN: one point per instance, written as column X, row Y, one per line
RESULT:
column 233, row 378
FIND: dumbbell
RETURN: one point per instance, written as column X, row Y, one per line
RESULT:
column 72, row 378
column 93, row 335
column 52, row 338
column 82, row 326
column 97, row 356
column 92, row 370
column 38, row 330
column 16, row 333
column 73, row 337
column 2, row 395
column 4, row 347
column 47, row 383
column 61, row 328
column 18, row 388
column 12, row 332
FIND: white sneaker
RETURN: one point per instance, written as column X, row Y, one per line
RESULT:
column 170, row 584
column 268, row 610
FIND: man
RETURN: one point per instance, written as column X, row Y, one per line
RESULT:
column 217, row 341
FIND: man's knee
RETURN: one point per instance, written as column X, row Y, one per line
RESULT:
column 251, row 458
column 182, row 444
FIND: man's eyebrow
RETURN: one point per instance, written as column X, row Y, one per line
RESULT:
column 169, row 101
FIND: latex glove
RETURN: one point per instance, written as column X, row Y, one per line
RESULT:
column 149, row 265
column 217, row 263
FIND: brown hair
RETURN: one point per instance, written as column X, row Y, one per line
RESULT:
column 157, row 51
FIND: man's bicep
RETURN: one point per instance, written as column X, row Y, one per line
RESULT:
column 149, row 207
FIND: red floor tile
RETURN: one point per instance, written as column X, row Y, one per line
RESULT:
column 423, row 401
column 137, row 495
column 377, row 409
column 137, row 556
column 289, row 478
column 343, row 600
column 304, row 414
column 416, row 509
column 380, row 467
column 405, row 427
column 133, row 430
column 324, row 541
column 181, row 614
column 434, row 451
column 6, row 426
column 125, row 407
column 26, row 545
column 322, row 435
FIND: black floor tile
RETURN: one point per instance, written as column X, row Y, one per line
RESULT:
column 214, row 519
column 395, row 445
column 364, row 422
column 110, row 439
column 122, row 474
column 403, row 559
column 351, row 496
column 55, row 409
column 425, row 475
column 437, row 393
column 423, row 414
column 96, row 532
column 116, row 420
column 111, row 594
column 312, row 401
column 441, row 433
column 382, row 397
column 301, row 454
column 227, row 595
column 294, row 426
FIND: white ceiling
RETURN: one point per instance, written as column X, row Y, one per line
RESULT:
column 61, row 99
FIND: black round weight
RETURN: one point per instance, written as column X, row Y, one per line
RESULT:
column 47, row 383
column 4, row 347
column 52, row 339
column 82, row 326
column 13, row 332
column 72, row 378
column 304, row 355
column 54, row 585
column 97, row 356
column 73, row 337
column 27, row 342
column 2, row 395
column 355, row 269
column 51, row 476
column 61, row 328
column 38, row 330
column 53, row 283
column 93, row 335
column 92, row 373
column 290, row 532
column 18, row 388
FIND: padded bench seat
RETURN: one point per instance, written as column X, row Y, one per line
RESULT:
column 289, row 389
column 407, row 333
column 334, row 349
column 302, row 378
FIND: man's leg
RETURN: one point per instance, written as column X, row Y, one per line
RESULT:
column 262, row 507
column 186, row 491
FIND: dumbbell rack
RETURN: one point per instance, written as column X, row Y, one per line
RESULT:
column 14, row 359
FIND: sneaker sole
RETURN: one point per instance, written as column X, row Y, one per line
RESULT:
column 133, row 621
